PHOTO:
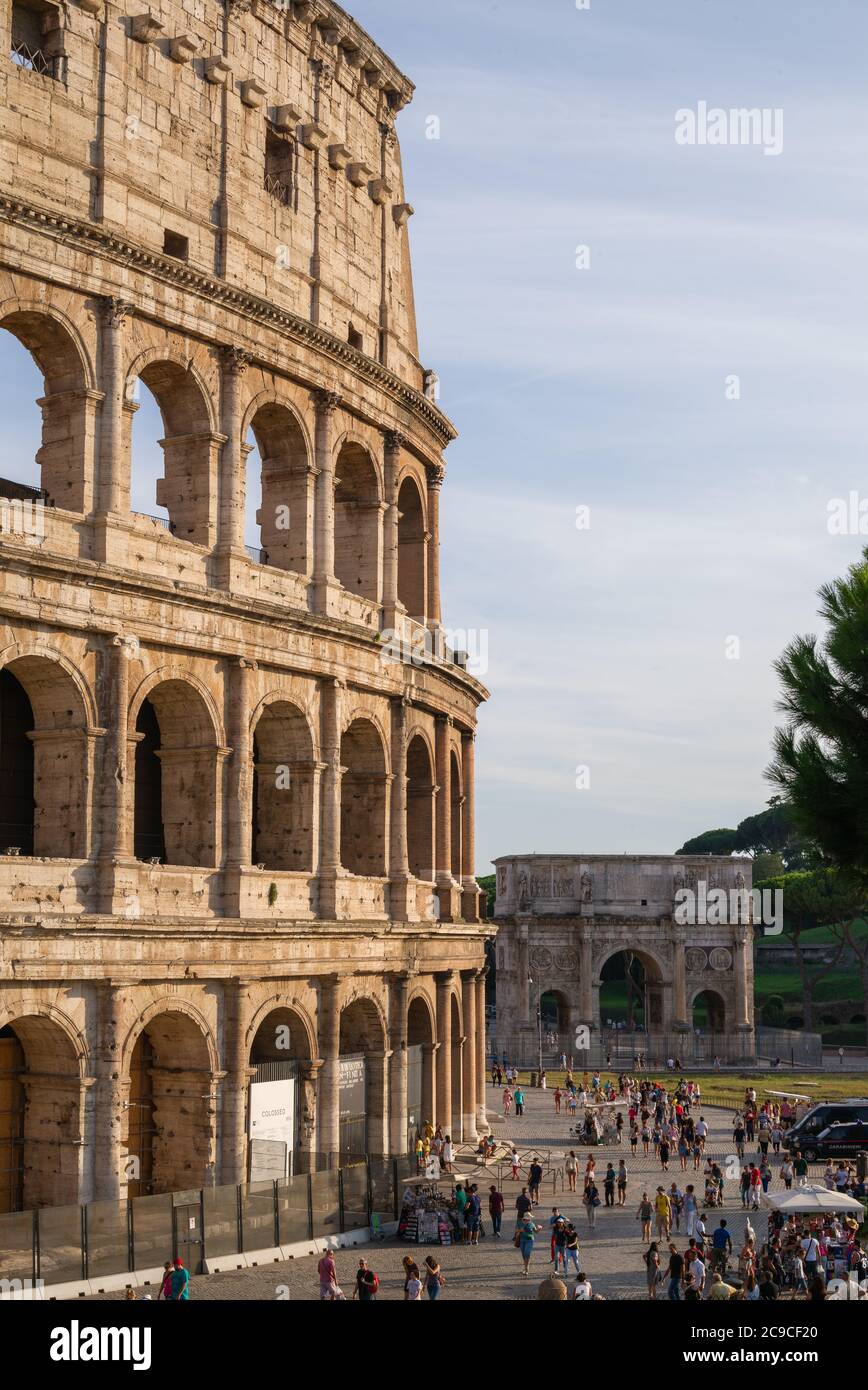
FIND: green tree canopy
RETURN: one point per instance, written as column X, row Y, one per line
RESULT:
column 821, row 756
column 710, row 842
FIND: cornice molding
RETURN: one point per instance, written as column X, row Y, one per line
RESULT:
column 89, row 237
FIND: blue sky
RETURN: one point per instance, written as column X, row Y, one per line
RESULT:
column 605, row 387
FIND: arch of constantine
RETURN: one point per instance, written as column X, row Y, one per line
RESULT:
column 236, row 835
column 568, row 926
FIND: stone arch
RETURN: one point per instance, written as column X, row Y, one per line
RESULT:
column 457, row 1029
column 646, row 987
column 170, row 1061
column 177, row 764
column 282, row 1009
column 362, row 1079
column 358, row 518
column 412, row 548
column 456, row 796
column 364, row 798
column 557, row 1015
column 44, row 746
column 707, row 1010
column 64, row 458
column 285, row 515
column 283, row 786
column 190, row 444
column 42, row 1067
column 420, row 807
column 421, row 1037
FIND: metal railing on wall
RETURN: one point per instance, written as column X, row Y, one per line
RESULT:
column 64, row 1245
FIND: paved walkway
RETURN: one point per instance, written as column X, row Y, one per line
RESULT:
column 611, row 1254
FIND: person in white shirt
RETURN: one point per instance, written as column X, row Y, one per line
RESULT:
column 811, row 1251
column 697, row 1270
column 583, row 1290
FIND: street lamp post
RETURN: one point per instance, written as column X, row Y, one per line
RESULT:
column 538, row 1029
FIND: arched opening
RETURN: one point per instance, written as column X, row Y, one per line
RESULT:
column 554, row 1012
column 283, row 790
column 457, row 1069
column 357, row 523
column 149, row 840
column 363, row 801
column 46, row 444
column 362, row 1080
column 631, row 992
column 180, row 488
column 177, row 757
column 411, row 550
column 709, row 1012
column 280, row 491
column 43, row 739
column 420, row 810
column 40, row 1115
column 16, row 766
column 455, row 798
column 420, row 1069
column 282, row 1105
column 168, row 1137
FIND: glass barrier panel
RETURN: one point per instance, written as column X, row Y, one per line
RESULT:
column 16, row 1251
column 326, row 1203
column 355, row 1197
column 383, row 1188
column 60, row 1251
column 108, row 1245
column 292, row 1210
column 221, row 1221
column 257, row 1215
column 152, row 1231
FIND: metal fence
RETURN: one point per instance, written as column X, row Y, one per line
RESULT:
column 795, row 1049
column 60, row 1245
column 617, row 1048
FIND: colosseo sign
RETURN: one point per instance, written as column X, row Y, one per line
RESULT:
column 272, row 1109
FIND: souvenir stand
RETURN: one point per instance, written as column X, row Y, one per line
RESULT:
column 429, row 1212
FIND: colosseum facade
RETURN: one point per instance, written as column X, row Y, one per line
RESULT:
column 237, row 823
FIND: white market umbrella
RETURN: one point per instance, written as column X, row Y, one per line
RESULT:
column 812, row 1198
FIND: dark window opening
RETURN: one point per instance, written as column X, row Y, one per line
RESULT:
column 176, row 245
column 16, row 767
column 279, row 167
column 149, row 840
column 355, row 339
column 28, row 47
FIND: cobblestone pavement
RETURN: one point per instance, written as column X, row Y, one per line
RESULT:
column 611, row 1254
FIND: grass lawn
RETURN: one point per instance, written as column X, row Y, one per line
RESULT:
column 728, row 1088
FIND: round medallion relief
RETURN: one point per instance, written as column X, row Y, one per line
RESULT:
column 567, row 960
column 541, row 957
column 720, row 959
column 695, row 959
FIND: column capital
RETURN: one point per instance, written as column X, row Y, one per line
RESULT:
column 394, row 441
column 326, row 402
column 234, row 360
column 435, row 473
column 115, row 311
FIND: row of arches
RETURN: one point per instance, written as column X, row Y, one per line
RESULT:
column 175, row 1101
column 171, row 443
column 174, row 761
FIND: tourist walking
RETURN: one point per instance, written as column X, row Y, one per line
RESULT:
column 495, row 1210
column 591, row 1201
column 644, row 1214
column 524, row 1239
column 571, row 1168
column 519, row 1101
column 367, row 1283
column 622, row 1183
column 652, row 1269
column 434, row 1278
